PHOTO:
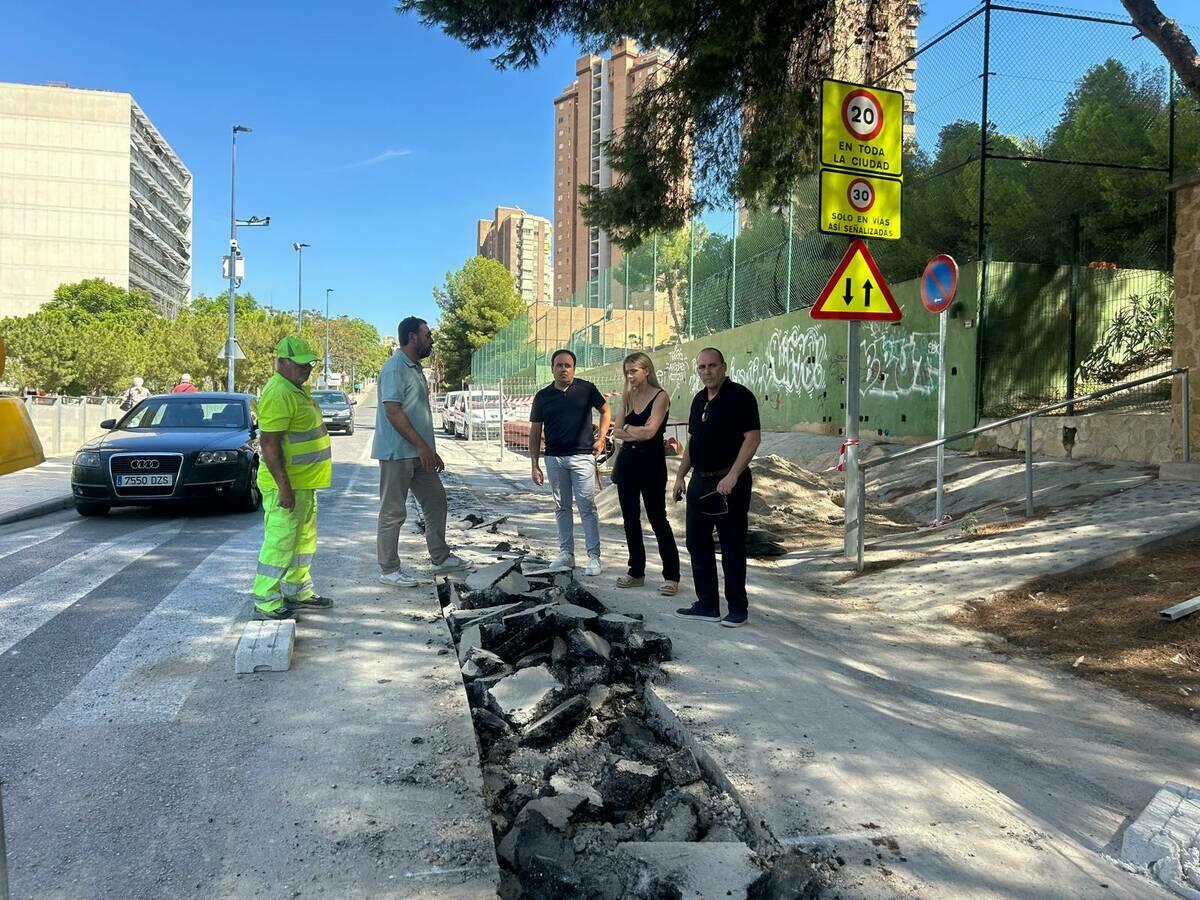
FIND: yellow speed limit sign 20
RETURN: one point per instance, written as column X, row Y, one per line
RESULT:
column 860, row 205
column 862, row 128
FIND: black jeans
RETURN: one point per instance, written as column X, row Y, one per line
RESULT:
column 645, row 483
column 731, row 529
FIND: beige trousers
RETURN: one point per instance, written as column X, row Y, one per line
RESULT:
column 396, row 478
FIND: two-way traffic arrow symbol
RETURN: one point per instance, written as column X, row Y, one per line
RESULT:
column 867, row 290
column 849, row 297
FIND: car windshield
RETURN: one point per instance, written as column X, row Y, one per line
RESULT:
column 330, row 398
column 160, row 413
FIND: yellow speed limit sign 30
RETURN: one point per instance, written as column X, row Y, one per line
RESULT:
column 860, row 205
column 862, row 128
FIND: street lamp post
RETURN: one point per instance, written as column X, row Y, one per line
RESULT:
column 235, row 254
column 328, row 291
column 299, row 248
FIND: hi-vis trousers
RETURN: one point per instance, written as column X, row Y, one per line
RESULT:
column 289, row 542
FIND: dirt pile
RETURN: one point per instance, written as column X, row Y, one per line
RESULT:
column 581, row 781
column 791, row 507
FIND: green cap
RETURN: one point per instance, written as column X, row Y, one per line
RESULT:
column 296, row 350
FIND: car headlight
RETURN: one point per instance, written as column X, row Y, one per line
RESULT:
column 87, row 458
column 208, row 457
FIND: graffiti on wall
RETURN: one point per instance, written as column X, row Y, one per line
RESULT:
column 793, row 363
column 899, row 364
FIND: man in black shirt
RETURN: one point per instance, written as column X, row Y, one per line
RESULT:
column 723, row 434
column 564, row 409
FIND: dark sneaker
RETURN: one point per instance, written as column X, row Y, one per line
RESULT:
column 698, row 613
column 735, row 620
column 316, row 601
column 274, row 609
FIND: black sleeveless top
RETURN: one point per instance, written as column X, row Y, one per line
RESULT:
column 649, row 452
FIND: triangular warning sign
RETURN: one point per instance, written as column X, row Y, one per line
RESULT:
column 857, row 290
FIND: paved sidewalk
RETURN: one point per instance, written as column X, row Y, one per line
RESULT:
column 933, row 766
column 37, row 491
column 941, row 581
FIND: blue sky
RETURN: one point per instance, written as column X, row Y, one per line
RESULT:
column 377, row 141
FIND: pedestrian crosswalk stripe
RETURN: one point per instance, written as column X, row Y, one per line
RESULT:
column 39, row 599
column 150, row 673
column 30, row 536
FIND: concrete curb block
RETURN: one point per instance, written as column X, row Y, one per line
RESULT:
column 658, row 709
column 36, row 509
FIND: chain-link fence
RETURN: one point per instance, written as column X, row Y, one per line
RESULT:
column 1039, row 143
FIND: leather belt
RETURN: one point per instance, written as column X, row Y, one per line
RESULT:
column 719, row 473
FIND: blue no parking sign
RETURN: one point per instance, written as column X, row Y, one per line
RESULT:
column 939, row 282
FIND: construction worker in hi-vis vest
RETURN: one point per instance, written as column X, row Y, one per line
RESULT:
column 298, row 462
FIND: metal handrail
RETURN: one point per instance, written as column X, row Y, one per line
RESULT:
column 931, row 445
column 1028, row 417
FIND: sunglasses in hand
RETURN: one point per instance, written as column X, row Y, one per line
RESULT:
column 715, row 508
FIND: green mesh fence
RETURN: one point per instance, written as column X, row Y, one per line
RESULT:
column 1048, row 166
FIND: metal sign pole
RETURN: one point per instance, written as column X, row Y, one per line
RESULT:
column 501, row 389
column 941, row 422
column 853, row 500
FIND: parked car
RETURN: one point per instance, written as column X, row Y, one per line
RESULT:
column 172, row 448
column 336, row 409
column 474, row 415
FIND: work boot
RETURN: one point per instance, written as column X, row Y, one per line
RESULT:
column 564, row 562
column 273, row 609
column 316, row 601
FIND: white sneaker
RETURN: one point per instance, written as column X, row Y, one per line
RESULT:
column 564, row 561
column 399, row 578
column 453, row 563
column 593, row 566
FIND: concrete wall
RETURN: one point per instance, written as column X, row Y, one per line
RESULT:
column 64, row 191
column 797, row 367
column 1142, row 437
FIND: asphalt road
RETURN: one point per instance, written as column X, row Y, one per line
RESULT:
column 136, row 765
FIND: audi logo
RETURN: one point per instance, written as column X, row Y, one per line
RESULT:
column 144, row 464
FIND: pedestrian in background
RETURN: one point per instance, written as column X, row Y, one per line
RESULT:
column 640, row 472
column 297, row 462
column 563, row 409
column 723, row 434
column 134, row 394
column 185, row 385
column 405, row 446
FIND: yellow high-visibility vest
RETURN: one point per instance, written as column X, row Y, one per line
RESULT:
column 307, row 454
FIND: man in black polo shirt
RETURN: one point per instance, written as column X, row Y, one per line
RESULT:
column 564, row 408
column 723, row 435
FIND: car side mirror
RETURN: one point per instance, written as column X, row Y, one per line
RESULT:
column 353, row 402
column 108, row 424
column 253, row 430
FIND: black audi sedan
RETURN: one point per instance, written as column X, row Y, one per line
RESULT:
column 336, row 410
column 172, row 448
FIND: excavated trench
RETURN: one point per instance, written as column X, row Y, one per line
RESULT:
column 592, row 792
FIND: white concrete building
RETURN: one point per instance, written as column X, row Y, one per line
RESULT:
column 89, row 189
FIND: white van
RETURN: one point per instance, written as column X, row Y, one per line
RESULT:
column 474, row 414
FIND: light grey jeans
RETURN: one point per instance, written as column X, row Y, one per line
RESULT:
column 396, row 478
column 574, row 477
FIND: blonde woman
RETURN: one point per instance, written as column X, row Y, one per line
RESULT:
column 640, row 472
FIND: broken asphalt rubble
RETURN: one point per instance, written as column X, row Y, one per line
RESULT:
column 576, row 774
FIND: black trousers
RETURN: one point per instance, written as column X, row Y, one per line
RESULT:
column 731, row 528
column 645, row 483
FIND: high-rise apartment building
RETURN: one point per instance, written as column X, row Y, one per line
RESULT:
column 893, row 24
column 585, row 115
column 521, row 242
column 89, row 189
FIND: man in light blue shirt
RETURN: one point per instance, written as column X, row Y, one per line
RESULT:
column 405, row 447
